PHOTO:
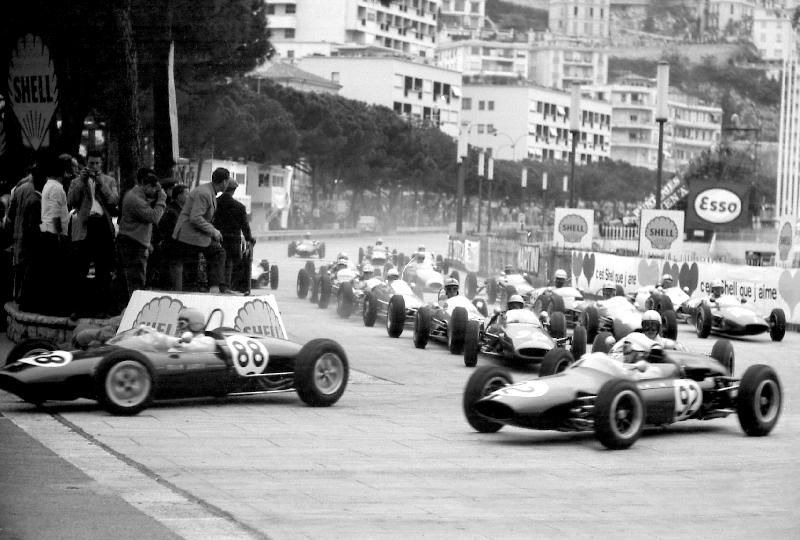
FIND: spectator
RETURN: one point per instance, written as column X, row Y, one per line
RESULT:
column 94, row 197
column 195, row 233
column 157, row 269
column 231, row 221
column 168, row 250
column 25, row 234
column 142, row 207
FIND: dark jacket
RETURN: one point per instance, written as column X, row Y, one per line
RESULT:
column 231, row 220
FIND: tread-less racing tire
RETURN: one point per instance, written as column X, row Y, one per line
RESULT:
column 396, row 316
column 619, row 414
column 125, row 382
column 422, row 327
column 722, row 351
column 777, row 324
column 472, row 343
column 758, row 403
column 702, row 320
column 273, row 277
column 482, row 382
column 324, row 290
column 590, row 318
column 370, row 310
column 302, row 283
column 321, row 371
column 558, row 325
column 669, row 324
column 456, row 329
column 555, row 361
column 345, row 300
column 579, row 341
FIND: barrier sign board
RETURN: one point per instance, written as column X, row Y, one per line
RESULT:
column 661, row 233
column 713, row 206
column 573, row 227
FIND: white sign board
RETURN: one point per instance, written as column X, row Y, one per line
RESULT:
column 660, row 233
column 254, row 315
column 785, row 248
column 573, row 227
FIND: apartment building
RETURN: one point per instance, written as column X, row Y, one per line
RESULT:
column 587, row 19
column 518, row 122
column 306, row 27
column 561, row 63
column 474, row 57
column 772, row 33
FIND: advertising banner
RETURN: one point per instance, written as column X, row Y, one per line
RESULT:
column 573, row 227
column 785, row 249
column 712, row 206
column 255, row 315
column 660, row 233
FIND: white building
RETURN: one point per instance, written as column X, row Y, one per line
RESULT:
column 474, row 57
column 461, row 17
column 519, row 122
column 417, row 91
column 304, row 27
column 561, row 63
column 586, row 19
column 787, row 197
column 772, row 33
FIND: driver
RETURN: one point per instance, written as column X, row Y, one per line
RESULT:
column 651, row 324
column 560, row 278
column 451, row 287
column 307, row 235
column 515, row 301
column 392, row 274
column 341, row 261
column 717, row 288
column 509, row 269
column 367, row 271
column 379, row 242
column 191, row 328
column 666, row 281
column 609, row 290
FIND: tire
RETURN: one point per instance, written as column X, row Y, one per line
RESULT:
column 558, row 325
column 664, row 303
column 722, row 351
column 30, row 347
column 345, row 300
column 590, row 319
column 555, row 361
column 456, row 330
column 273, row 277
column 579, row 341
column 422, row 327
column 480, row 305
column 482, row 382
column 491, row 291
column 314, row 298
column 302, row 283
column 758, row 403
column 600, row 343
column 396, row 316
column 370, row 310
column 702, row 322
column 555, row 304
column 777, row 324
column 472, row 345
column 669, row 324
column 324, row 290
column 321, row 250
column 321, row 371
column 619, row 414
column 471, row 285
column 124, row 382
column 310, row 269
column 292, row 248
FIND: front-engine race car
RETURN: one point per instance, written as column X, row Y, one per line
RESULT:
column 619, row 317
column 424, row 273
column 133, row 369
column 553, row 299
column 394, row 301
column 501, row 287
column 307, row 248
column 729, row 316
column 662, row 299
column 446, row 321
column 616, row 400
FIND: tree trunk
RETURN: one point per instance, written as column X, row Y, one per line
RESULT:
column 162, row 128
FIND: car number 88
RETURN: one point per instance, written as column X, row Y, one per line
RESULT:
column 250, row 356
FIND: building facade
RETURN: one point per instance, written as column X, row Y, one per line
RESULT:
column 587, row 19
column 561, row 63
column 511, row 60
column 787, row 199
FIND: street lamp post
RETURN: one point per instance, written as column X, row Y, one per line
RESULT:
column 481, row 168
column 490, row 178
column 574, row 130
column 662, row 96
column 461, row 159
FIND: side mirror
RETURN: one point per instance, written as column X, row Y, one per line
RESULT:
column 186, row 337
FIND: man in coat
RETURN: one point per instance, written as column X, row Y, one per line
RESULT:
column 231, row 220
column 195, row 233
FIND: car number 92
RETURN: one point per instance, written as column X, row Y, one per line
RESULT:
column 250, row 357
column 688, row 398
column 50, row 359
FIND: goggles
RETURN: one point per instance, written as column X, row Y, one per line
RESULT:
column 651, row 326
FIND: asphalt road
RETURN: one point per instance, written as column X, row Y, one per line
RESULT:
column 396, row 459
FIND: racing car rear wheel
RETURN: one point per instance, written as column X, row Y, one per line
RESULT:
column 702, row 320
column 456, row 329
column 369, row 310
column 345, row 300
column 321, row 371
column 324, row 290
column 314, row 298
column 759, row 401
column 590, row 319
column 777, row 324
column 273, row 277
column 603, row 342
column 558, row 325
column 482, row 382
column 620, row 291
column 555, row 304
column 471, row 285
column 396, row 316
column 422, row 327
column 579, row 341
column 302, row 283
column 30, row 347
column 292, row 248
column 723, row 352
column 555, row 361
column 472, row 343
column 124, row 382
column 669, row 324
column 310, row 268
column 619, row 414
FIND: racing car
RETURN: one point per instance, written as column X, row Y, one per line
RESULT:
column 393, row 301
column 616, row 400
column 554, row 299
column 519, row 335
column 125, row 377
column 307, row 248
column 618, row 316
column 263, row 275
column 500, row 287
column 378, row 255
column 663, row 299
column 446, row 321
column 730, row 316
column 425, row 272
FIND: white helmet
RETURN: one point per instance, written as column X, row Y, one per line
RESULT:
column 666, row 277
column 651, row 323
column 560, row 274
column 634, row 345
column 515, row 301
column 392, row 273
column 609, row 289
column 367, row 268
column 717, row 288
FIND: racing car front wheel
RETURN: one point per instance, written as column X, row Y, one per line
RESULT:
column 619, row 414
column 482, row 382
column 669, row 324
column 30, row 347
column 579, row 341
column 456, row 329
column 345, row 300
column 422, row 327
column 396, row 315
column 370, row 310
column 124, row 383
column 702, row 320
column 273, row 277
column 555, row 361
column 321, row 371
column 722, row 351
column 590, row 319
column 302, row 283
column 558, row 325
column 324, row 290
column 777, row 324
column 472, row 343
column 758, row 403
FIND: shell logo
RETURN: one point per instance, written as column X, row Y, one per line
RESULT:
column 785, row 241
column 160, row 313
column 661, row 232
column 718, row 205
column 573, row 227
column 258, row 318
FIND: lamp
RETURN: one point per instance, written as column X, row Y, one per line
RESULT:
column 574, row 130
column 662, row 112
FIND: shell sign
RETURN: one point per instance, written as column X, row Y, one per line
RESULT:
column 661, row 232
column 33, row 89
column 785, row 239
column 573, row 227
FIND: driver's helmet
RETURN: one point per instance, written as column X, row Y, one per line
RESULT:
column 367, row 270
column 420, row 256
column 609, row 290
column 560, row 277
column 635, row 346
column 717, row 288
column 191, row 319
column 666, row 281
column 420, row 248
column 651, row 323
column 515, row 301
column 451, row 287
column 379, row 242
column 544, row 318
column 392, row 274
column 342, row 255
column 508, row 269
column 307, row 235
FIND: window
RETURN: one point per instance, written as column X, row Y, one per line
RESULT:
column 491, row 105
column 290, row 9
column 277, row 180
column 290, row 53
column 263, row 180
column 288, row 33
column 466, row 104
column 480, row 129
column 481, row 105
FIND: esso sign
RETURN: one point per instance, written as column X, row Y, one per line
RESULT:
column 718, row 205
